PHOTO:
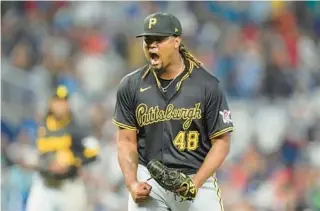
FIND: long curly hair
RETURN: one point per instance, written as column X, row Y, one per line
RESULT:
column 185, row 53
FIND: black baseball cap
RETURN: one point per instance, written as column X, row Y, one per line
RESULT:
column 161, row 24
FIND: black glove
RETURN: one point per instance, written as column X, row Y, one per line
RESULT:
column 173, row 180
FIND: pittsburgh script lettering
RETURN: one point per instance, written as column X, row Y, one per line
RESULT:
column 150, row 115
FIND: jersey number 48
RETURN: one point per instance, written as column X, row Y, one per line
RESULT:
column 186, row 140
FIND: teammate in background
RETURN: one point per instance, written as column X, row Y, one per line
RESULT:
column 63, row 150
column 171, row 110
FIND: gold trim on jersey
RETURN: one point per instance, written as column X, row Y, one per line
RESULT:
column 119, row 124
column 54, row 143
column 220, row 132
column 157, row 79
column 191, row 67
column 215, row 183
column 149, row 115
column 146, row 72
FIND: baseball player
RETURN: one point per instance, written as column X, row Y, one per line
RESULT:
column 174, row 125
column 63, row 150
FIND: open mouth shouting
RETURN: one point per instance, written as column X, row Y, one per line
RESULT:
column 154, row 59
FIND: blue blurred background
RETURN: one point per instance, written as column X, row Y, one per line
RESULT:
column 266, row 55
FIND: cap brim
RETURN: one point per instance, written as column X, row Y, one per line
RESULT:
column 153, row 34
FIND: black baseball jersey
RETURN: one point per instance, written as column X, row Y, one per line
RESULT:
column 64, row 136
column 174, row 127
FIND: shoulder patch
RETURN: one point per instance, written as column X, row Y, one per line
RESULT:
column 226, row 116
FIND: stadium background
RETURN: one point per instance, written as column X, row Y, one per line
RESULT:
column 266, row 55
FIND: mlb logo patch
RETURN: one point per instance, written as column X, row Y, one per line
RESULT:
column 226, row 116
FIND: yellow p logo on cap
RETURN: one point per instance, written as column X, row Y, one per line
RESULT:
column 152, row 21
column 62, row 92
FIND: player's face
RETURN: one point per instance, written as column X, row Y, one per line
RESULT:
column 59, row 108
column 159, row 50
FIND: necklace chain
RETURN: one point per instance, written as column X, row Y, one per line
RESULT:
column 165, row 89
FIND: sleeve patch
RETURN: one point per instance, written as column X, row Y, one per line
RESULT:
column 226, row 116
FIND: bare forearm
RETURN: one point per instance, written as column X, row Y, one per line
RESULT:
column 212, row 162
column 128, row 160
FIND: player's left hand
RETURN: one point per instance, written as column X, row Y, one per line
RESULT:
column 184, row 188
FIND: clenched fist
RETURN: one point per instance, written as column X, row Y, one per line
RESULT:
column 140, row 191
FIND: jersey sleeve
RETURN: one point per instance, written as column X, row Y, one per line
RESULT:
column 217, row 113
column 124, row 116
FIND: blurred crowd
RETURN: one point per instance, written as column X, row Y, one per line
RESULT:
column 266, row 55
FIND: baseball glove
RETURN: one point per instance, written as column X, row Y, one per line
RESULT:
column 173, row 180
